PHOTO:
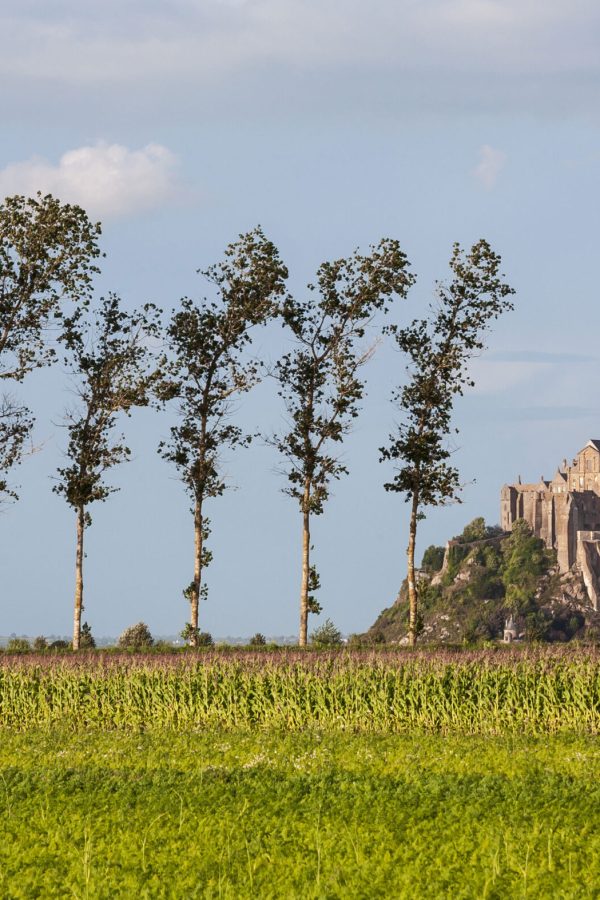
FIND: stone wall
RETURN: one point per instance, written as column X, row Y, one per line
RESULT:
column 554, row 517
column 564, row 513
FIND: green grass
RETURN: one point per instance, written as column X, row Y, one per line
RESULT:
column 270, row 814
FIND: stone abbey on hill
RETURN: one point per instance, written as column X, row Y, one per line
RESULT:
column 564, row 513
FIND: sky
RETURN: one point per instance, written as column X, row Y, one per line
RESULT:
column 333, row 124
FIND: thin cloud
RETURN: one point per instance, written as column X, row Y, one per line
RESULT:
column 480, row 410
column 107, row 180
column 548, row 413
column 492, row 377
column 537, row 356
column 71, row 41
column 491, row 162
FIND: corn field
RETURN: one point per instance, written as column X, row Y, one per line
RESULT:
column 479, row 692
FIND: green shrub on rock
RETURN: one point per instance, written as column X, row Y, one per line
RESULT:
column 433, row 559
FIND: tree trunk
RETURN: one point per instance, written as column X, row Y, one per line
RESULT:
column 197, row 582
column 78, row 578
column 412, row 585
column 303, row 633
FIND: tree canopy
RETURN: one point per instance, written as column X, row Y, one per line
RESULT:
column 47, row 256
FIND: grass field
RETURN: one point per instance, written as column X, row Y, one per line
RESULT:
column 270, row 814
column 291, row 775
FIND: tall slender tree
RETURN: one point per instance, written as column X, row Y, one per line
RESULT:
column 47, row 253
column 208, row 343
column 320, row 380
column 439, row 349
column 108, row 355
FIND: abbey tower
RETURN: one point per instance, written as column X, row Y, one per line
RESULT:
column 564, row 513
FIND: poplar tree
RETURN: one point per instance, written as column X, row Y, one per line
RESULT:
column 47, row 252
column 320, row 380
column 109, row 357
column 208, row 342
column 439, row 350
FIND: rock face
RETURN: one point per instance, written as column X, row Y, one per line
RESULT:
column 588, row 562
column 564, row 513
column 483, row 583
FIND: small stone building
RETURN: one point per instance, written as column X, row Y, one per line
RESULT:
column 510, row 630
column 564, row 513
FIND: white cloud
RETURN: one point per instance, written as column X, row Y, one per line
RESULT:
column 107, row 180
column 491, row 162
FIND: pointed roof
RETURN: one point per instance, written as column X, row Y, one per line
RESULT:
column 593, row 442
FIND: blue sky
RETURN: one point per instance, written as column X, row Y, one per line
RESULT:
column 332, row 124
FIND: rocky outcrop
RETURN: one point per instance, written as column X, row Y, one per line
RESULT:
column 465, row 601
column 588, row 561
